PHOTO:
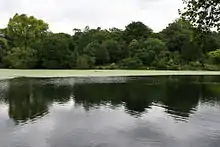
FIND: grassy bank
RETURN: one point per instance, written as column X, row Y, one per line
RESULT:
column 11, row 73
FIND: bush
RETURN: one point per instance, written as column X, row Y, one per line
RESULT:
column 21, row 58
column 211, row 67
column 106, row 67
column 215, row 56
column 131, row 63
column 152, row 49
column 84, row 62
column 193, row 66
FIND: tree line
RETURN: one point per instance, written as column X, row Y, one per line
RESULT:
column 27, row 43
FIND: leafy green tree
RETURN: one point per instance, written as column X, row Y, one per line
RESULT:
column 161, row 60
column 131, row 63
column 96, row 50
column 176, row 33
column 133, row 47
column 114, row 49
column 137, row 30
column 101, row 56
column 203, row 13
column 54, row 52
column 174, row 61
column 3, row 49
column 72, row 59
column 22, row 58
column 182, row 37
column 116, row 34
column 151, row 49
column 210, row 41
column 215, row 56
column 91, row 48
column 146, row 56
column 82, row 39
column 24, row 30
column 85, row 61
column 100, row 35
column 191, row 51
column 155, row 44
column 27, row 43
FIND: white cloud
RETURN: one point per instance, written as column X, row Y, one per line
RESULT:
column 65, row 15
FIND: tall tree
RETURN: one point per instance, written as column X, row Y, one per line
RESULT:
column 54, row 51
column 151, row 50
column 114, row 49
column 137, row 30
column 24, row 30
column 203, row 13
column 176, row 33
column 3, row 48
column 21, row 58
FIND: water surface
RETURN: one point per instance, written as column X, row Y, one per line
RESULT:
column 166, row 111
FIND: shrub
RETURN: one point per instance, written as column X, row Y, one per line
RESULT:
column 21, row 58
column 84, row 61
column 131, row 63
column 215, row 56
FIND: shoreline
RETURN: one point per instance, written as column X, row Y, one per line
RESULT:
column 16, row 73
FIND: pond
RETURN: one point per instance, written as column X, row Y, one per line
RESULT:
column 159, row 111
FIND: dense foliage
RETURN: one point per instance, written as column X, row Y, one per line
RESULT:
column 203, row 13
column 27, row 43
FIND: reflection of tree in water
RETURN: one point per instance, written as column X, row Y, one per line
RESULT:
column 181, row 97
column 134, row 96
column 30, row 98
column 178, row 95
column 184, row 93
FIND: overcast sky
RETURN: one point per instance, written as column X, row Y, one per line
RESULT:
column 64, row 15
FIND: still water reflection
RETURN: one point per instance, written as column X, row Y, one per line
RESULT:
column 168, row 111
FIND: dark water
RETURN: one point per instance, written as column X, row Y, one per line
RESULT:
column 168, row 111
